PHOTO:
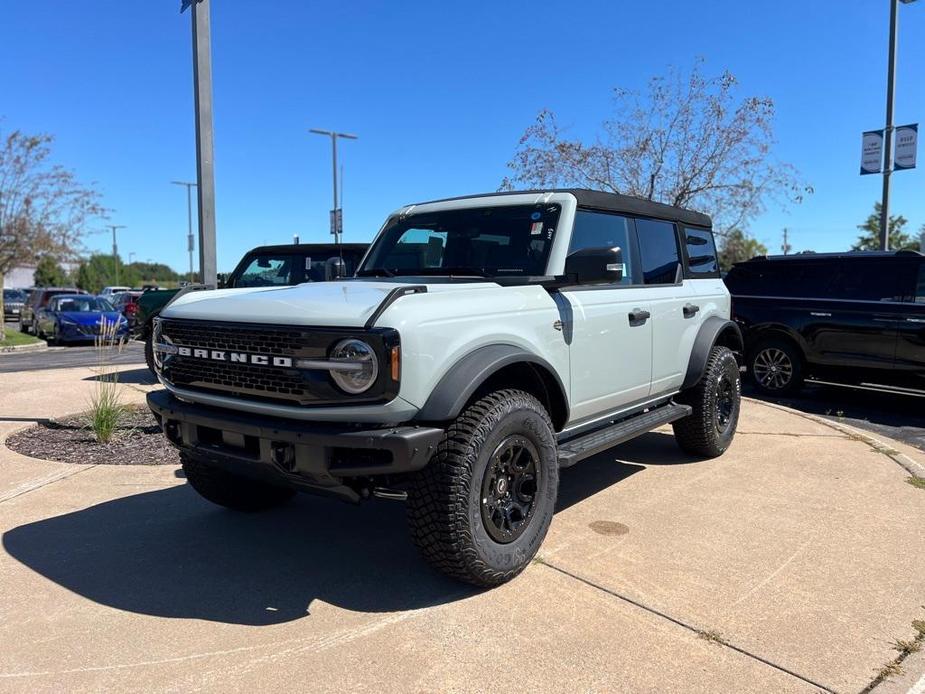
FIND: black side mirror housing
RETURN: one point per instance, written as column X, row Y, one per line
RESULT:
column 334, row 268
column 601, row 265
column 222, row 280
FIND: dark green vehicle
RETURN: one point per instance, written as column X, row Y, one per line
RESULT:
column 264, row 266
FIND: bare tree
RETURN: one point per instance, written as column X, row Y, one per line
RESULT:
column 688, row 141
column 43, row 208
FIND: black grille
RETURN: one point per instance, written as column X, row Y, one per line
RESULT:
column 282, row 385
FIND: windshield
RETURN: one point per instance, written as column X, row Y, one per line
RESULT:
column 13, row 296
column 80, row 304
column 482, row 241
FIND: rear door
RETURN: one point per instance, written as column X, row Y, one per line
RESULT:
column 856, row 328
column 910, row 343
column 606, row 326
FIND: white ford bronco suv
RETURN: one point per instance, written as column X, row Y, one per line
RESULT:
column 484, row 343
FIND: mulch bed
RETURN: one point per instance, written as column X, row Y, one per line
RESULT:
column 137, row 441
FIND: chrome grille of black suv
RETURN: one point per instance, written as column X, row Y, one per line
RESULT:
column 274, row 384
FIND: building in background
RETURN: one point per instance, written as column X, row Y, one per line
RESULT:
column 19, row 277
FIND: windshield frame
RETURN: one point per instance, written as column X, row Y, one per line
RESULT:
column 55, row 303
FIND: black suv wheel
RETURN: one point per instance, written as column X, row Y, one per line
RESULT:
column 480, row 510
column 776, row 367
column 715, row 400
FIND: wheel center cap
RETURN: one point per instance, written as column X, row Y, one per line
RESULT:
column 502, row 485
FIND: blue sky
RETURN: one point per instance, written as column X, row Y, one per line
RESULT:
column 439, row 94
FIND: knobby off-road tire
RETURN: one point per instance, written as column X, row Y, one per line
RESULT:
column 459, row 515
column 716, row 400
column 149, row 353
column 232, row 491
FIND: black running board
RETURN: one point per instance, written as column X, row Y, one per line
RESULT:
column 586, row 445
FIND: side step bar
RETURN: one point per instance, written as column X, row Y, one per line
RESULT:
column 586, row 445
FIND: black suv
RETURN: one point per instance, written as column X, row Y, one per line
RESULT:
column 845, row 319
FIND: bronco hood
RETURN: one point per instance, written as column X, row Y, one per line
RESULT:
column 347, row 303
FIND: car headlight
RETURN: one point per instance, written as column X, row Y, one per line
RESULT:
column 363, row 362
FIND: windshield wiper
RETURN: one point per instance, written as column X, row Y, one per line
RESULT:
column 375, row 272
column 450, row 271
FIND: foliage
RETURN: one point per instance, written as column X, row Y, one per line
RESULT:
column 869, row 240
column 49, row 273
column 43, row 208
column 106, row 408
column 99, row 271
column 736, row 247
column 14, row 338
column 689, row 141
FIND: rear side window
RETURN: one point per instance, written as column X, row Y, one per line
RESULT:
column 701, row 253
column 787, row 278
column 658, row 250
column 920, row 285
column 871, row 280
column 599, row 230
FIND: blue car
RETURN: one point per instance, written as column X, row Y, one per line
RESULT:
column 78, row 318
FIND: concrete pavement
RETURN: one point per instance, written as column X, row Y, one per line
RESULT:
column 791, row 563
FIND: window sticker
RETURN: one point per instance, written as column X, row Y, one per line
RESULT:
column 536, row 228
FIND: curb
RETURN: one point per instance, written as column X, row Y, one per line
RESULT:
column 913, row 467
column 37, row 347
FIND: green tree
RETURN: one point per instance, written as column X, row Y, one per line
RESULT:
column 736, row 246
column 869, row 240
column 88, row 279
column 43, row 207
column 49, row 273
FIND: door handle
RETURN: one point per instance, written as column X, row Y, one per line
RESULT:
column 638, row 316
column 820, row 314
column 690, row 310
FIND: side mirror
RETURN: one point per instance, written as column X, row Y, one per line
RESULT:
column 601, row 265
column 334, row 268
column 222, row 279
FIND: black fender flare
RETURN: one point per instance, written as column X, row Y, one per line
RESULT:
column 467, row 375
column 711, row 331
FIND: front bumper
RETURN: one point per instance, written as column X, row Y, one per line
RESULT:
column 310, row 456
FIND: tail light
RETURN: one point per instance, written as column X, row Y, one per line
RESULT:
column 131, row 309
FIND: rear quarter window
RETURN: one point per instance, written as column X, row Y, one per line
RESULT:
column 700, row 248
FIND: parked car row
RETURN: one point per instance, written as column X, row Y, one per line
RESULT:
column 66, row 314
column 855, row 319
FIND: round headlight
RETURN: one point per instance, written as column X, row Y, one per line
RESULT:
column 361, row 366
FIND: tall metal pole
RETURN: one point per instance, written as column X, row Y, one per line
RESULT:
column 888, row 131
column 115, row 249
column 336, row 212
column 205, row 174
column 189, row 218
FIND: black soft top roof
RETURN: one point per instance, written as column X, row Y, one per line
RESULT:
column 610, row 202
column 307, row 248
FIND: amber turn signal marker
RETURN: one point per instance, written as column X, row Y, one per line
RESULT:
column 395, row 359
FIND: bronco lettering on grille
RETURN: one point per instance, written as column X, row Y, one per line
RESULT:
column 236, row 357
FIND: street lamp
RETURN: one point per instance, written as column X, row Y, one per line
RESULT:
column 115, row 248
column 888, row 131
column 189, row 215
column 337, row 215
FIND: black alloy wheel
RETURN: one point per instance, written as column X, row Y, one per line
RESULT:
column 509, row 489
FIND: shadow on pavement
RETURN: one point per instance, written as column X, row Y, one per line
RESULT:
column 140, row 376
column 169, row 553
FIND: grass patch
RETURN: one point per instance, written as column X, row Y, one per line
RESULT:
column 14, row 338
column 907, row 647
column 918, row 482
column 712, row 636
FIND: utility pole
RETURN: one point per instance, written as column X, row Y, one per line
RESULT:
column 888, row 130
column 785, row 246
column 337, row 214
column 189, row 218
column 205, row 172
column 115, row 248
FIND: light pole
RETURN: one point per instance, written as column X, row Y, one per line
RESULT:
column 115, row 248
column 337, row 215
column 888, row 131
column 130, row 256
column 205, row 172
column 189, row 217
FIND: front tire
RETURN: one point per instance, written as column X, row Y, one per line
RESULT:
column 149, row 353
column 715, row 401
column 229, row 490
column 776, row 367
column 480, row 510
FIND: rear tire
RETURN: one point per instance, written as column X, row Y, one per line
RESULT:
column 480, row 510
column 229, row 490
column 715, row 401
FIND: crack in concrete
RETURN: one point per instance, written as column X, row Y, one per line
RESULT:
column 28, row 487
column 681, row 623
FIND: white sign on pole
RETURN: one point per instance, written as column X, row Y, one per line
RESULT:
column 871, row 152
column 906, row 141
